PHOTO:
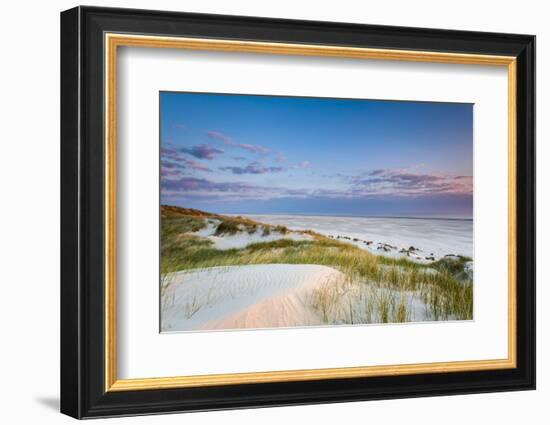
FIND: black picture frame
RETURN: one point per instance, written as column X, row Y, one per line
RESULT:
column 83, row 392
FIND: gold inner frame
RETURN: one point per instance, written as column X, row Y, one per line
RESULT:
column 113, row 41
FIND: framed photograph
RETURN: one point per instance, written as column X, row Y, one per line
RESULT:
column 261, row 212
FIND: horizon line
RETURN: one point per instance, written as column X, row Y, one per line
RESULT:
column 357, row 216
column 326, row 215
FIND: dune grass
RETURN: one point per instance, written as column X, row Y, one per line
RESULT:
column 385, row 287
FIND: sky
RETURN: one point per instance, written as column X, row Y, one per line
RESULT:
column 296, row 155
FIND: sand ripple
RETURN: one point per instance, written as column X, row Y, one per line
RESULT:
column 252, row 296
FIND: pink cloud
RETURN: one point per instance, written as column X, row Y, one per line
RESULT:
column 224, row 138
column 220, row 136
column 404, row 182
column 253, row 168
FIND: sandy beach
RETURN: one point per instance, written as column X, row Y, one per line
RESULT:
column 233, row 272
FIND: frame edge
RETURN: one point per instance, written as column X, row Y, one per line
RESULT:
column 526, row 202
column 70, row 380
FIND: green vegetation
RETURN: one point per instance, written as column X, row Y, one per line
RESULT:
column 281, row 229
column 385, row 287
column 233, row 225
column 453, row 266
column 227, row 227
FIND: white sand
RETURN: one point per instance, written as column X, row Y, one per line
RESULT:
column 242, row 239
column 255, row 296
column 273, row 296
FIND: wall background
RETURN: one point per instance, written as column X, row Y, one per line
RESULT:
column 29, row 224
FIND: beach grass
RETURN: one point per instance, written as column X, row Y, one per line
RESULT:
column 384, row 286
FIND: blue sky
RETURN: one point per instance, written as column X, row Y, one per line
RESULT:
column 268, row 154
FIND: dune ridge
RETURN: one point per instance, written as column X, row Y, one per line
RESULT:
column 255, row 296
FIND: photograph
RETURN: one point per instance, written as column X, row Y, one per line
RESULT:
column 281, row 212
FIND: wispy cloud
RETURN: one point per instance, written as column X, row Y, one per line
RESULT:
column 202, row 151
column 197, row 165
column 199, row 184
column 204, row 188
column 216, row 135
column 404, row 182
column 191, row 187
column 168, row 172
column 253, row 148
column 173, row 160
column 169, row 165
column 169, row 153
column 253, row 168
column 228, row 140
column 177, row 179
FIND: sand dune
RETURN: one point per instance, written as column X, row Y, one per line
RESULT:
column 243, row 238
column 278, row 285
column 254, row 296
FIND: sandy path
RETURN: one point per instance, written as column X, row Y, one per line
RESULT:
column 255, row 296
